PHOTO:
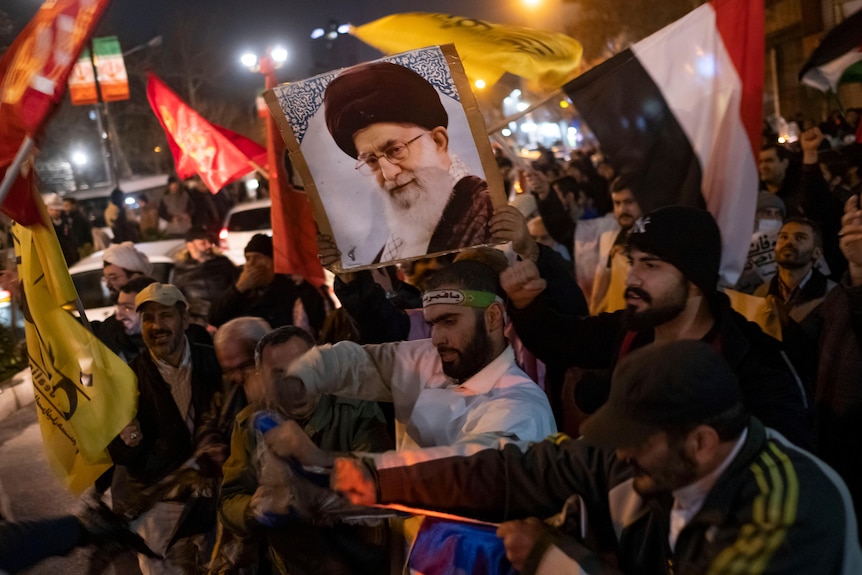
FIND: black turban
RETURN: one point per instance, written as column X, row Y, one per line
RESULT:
column 379, row 92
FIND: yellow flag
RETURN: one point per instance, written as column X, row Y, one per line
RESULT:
column 487, row 50
column 758, row 310
column 85, row 394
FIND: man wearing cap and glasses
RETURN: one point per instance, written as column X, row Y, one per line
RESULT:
column 392, row 122
column 671, row 476
column 176, row 380
column 458, row 392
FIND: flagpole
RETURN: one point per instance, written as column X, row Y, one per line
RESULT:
column 500, row 125
column 834, row 95
column 13, row 171
column 85, row 321
column 267, row 68
column 259, row 169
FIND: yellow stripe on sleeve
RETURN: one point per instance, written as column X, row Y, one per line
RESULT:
column 773, row 513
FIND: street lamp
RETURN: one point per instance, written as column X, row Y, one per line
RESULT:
column 249, row 60
column 267, row 64
column 151, row 43
column 278, row 55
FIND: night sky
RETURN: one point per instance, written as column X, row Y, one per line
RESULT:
column 226, row 29
column 252, row 24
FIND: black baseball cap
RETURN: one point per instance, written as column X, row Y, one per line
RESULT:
column 661, row 387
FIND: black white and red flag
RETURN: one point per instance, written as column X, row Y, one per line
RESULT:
column 681, row 112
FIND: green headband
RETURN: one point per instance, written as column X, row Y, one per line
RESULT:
column 470, row 298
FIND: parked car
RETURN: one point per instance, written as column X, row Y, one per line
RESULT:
column 87, row 275
column 245, row 220
column 241, row 223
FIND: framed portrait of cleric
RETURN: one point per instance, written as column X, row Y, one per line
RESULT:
column 394, row 156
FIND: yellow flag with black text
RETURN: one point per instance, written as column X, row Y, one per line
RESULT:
column 85, row 394
column 487, row 50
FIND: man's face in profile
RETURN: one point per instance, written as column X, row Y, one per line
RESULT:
column 461, row 337
column 406, row 160
column 200, row 250
column 126, row 313
column 115, row 277
column 275, row 362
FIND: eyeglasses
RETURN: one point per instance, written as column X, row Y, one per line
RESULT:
column 399, row 151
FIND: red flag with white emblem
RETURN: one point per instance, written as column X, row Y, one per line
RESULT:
column 198, row 146
column 33, row 76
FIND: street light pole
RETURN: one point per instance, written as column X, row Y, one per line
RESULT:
column 118, row 154
column 113, row 154
column 151, row 43
column 266, row 64
column 267, row 68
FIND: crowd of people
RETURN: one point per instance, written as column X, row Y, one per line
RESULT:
column 184, row 205
column 269, row 420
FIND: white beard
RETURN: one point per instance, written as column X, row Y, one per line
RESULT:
column 413, row 214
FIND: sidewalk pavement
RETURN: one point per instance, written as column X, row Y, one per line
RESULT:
column 16, row 393
column 29, row 490
column 28, row 487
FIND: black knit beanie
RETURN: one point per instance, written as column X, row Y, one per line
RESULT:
column 688, row 238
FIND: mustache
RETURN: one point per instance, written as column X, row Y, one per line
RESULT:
column 442, row 349
column 400, row 180
column 638, row 292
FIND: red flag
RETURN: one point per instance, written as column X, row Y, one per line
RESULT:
column 198, row 146
column 20, row 203
column 253, row 151
column 294, row 234
column 33, row 76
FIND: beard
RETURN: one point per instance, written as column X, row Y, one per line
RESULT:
column 131, row 327
column 163, row 343
column 793, row 259
column 658, row 313
column 678, row 471
column 414, row 203
column 473, row 357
